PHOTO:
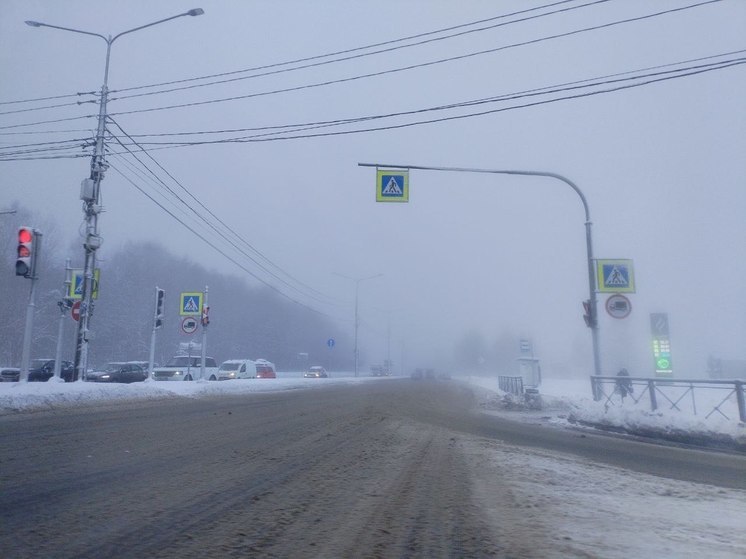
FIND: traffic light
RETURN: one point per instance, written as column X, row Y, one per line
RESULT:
column 205, row 315
column 160, row 294
column 588, row 314
column 25, row 263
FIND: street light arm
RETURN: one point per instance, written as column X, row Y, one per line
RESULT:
column 194, row 12
column 40, row 24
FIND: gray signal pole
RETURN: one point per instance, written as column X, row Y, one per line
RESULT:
column 65, row 303
column 30, row 308
column 90, row 192
column 588, row 240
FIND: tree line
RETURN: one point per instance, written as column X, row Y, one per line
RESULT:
column 245, row 321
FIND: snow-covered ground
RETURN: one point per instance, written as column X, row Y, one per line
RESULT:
column 562, row 400
column 570, row 506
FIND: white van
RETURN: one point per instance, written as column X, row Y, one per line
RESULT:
column 235, row 368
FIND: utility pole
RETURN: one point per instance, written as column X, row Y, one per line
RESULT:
column 90, row 193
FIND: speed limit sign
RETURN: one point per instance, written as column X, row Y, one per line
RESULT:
column 189, row 325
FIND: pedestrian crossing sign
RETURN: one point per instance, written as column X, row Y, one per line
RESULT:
column 75, row 291
column 190, row 304
column 615, row 276
column 392, row 186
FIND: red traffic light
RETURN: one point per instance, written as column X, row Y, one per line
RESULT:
column 26, row 258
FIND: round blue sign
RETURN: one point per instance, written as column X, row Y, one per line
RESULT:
column 330, row 342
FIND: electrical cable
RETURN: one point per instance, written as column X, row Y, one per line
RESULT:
column 416, row 66
column 218, row 249
column 227, row 227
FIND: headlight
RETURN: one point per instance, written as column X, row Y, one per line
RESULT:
column 177, row 373
column 105, row 376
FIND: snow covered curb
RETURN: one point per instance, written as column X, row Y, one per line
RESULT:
column 564, row 403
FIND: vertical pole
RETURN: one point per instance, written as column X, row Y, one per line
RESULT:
column 30, row 309
column 653, row 399
column 357, row 322
column 92, row 241
column 204, row 337
column 63, row 311
column 741, row 401
column 151, row 358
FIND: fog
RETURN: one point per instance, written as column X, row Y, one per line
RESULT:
column 661, row 165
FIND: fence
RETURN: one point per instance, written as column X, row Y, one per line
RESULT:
column 512, row 385
column 724, row 397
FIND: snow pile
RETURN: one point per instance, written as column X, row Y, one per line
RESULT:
column 570, row 401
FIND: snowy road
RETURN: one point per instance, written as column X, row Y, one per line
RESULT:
column 390, row 469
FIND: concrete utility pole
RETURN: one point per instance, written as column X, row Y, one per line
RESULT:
column 357, row 318
column 90, row 193
column 588, row 239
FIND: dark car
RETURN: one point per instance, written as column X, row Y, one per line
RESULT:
column 41, row 370
column 315, row 372
column 118, row 372
column 9, row 374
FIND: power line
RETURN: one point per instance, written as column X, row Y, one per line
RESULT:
column 346, row 51
column 656, row 77
column 363, row 55
column 212, row 245
column 226, row 226
column 420, row 65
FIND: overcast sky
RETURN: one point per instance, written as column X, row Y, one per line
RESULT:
column 662, row 165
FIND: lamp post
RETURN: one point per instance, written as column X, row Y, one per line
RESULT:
column 588, row 239
column 90, row 192
column 357, row 321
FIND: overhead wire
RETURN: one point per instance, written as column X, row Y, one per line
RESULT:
column 363, row 55
column 419, row 65
column 225, row 226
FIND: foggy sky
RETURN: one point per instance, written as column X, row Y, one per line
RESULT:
column 662, row 165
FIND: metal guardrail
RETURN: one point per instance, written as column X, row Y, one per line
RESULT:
column 512, row 385
column 673, row 392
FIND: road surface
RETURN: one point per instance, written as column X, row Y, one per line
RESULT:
column 396, row 468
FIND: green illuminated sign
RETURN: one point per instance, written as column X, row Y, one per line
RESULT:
column 661, row 345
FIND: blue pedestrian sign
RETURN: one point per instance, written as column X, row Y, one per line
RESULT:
column 190, row 304
column 330, row 342
column 392, row 186
column 76, row 284
column 615, row 276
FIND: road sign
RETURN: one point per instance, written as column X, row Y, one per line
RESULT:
column 76, row 285
column 189, row 325
column 330, row 342
column 190, row 304
column 392, row 186
column 615, row 276
column 75, row 311
column 618, row 306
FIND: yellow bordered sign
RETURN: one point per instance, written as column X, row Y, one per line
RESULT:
column 75, row 290
column 190, row 304
column 392, row 185
column 615, row 276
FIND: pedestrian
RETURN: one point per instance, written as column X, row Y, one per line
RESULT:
column 624, row 384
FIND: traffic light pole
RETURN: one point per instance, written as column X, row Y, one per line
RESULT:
column 64, row 304
column 30, row 309
column 588, row 239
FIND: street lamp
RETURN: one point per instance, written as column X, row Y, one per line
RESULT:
column 357, row 322
column 90, row 191
column 588, row 240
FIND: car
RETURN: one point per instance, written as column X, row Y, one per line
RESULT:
column 41, row 370
column 118, row 372
column 316, row 372
column 185, row 367
column 265, row 369
column 9, row 374
column 144, row 364
column 235, row 368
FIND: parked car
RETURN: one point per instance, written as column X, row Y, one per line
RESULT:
column 316, row 372
column 144, row 364
column 184, row 367
column 265, row 369
column 9, row 374
column 41, row 370
column 118, row 372
column 235, row 368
